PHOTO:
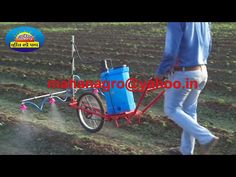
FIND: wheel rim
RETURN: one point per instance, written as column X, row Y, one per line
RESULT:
column 89, row 120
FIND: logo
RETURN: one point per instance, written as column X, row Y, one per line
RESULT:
column 24, row 39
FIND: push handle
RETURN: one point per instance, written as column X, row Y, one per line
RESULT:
column 105, row 66
column 110, row 62
column 153, row 77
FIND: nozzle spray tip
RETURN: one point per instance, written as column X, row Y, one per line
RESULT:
column 52, row 100
column 23, row 107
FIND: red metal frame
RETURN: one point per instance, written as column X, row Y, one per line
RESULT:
column 126, row 115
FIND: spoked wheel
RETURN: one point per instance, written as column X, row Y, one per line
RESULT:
column 89, row 104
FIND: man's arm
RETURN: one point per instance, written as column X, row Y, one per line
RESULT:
column 173, row 39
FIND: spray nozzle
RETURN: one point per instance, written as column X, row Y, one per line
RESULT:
column 95, row 91
column 23, row 107
column 52, row 100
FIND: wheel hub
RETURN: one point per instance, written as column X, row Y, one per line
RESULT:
column 87, row 114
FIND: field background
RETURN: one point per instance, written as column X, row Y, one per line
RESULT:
column 138, row 45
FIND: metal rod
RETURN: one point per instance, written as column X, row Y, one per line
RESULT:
column 147, row 89
column 51, row 94
column 141, row 99
column 153, row 101
column 42, row 96
column 73, row 64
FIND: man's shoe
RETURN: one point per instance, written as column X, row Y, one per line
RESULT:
column 174, row 151
column 206, row 148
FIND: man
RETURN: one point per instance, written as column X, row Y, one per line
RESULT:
column 187, row 48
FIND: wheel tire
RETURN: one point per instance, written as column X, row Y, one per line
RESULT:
column 82, row 117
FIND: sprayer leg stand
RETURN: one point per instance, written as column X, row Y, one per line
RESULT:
column 117, row 123
column 138, row 119
column 128, row 120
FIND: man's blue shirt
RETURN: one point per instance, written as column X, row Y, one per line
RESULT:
column 187, row 44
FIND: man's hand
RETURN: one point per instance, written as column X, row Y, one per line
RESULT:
column 159, row 77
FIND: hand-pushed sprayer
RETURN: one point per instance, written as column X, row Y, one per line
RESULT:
column 90, row 107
